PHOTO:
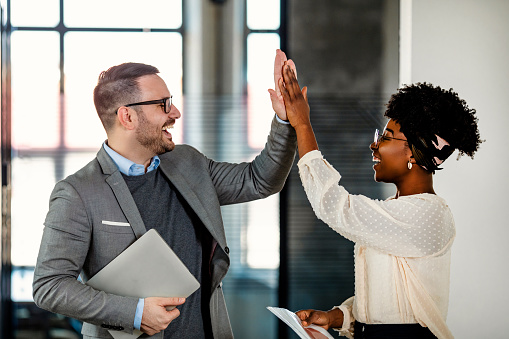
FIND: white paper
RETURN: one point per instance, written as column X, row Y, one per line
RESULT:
column 291, row 319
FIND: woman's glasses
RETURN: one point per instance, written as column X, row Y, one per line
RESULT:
column 381, row 137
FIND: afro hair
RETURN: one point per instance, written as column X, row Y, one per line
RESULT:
column 422, row 109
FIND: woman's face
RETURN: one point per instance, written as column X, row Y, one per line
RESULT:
column 391, row 154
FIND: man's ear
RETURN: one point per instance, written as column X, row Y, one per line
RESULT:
column 126, row 117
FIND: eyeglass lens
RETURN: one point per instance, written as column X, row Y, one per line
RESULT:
column 167, row 105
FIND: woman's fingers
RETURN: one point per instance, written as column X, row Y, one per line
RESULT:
column 290, row 81
column 292, row 66
column 309, row 317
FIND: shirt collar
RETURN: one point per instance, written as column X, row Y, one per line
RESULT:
column 128, row 167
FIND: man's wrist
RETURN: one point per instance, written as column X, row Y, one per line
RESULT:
column 286, row 122
column 139, row 313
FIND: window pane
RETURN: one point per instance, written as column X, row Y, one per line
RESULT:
column 27, row 227
column 261, row 50
column 262, row 236
column 263, row 14
column 123, row 13
column 35, row 89
column 44, row 13
column 30, row 196
column 21, row 284
column 88, row 54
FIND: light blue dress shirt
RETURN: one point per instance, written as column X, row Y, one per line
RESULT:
column 130, row 168
column 282, row 121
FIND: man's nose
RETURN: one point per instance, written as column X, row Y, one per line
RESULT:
column 174, row 112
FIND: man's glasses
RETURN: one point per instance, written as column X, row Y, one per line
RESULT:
column 381, row 137
column 163, row 102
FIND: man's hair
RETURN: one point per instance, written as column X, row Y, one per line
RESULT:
column 423, row 111
column 118, row 86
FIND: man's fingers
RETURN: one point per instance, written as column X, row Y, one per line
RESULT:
column 281, row 57
column 278, row 66
column 282, row 89
column 155, row 317
column 174, row 313
column 172, row 301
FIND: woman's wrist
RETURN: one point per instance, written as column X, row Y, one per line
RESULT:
column 335, row 318
column 303, row 127
column 306, row 141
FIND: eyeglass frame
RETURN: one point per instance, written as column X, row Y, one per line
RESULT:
column 167, row 108
column 379, row 137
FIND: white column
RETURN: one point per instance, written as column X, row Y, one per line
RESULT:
column 464, row 44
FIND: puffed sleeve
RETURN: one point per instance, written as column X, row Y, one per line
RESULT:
column 410, row 226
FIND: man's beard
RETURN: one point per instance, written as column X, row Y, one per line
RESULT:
column 150, row 136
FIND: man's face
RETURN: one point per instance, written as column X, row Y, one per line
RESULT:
column 153, row 127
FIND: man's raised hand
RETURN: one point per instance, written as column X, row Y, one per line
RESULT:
column 276, row 98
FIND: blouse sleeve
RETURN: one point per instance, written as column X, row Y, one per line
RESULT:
column 348, row 319
column 410, row 226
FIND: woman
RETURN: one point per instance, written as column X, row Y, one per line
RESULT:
column 402, row 244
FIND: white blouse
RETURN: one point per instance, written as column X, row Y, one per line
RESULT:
column 402, row 250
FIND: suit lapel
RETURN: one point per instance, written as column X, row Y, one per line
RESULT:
column 121, row 192
column 129, row 208
column 179, row 181
column 126, row 202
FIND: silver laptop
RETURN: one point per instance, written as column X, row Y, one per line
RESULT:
column 147, row 268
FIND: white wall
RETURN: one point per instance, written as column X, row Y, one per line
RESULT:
column 464, row 44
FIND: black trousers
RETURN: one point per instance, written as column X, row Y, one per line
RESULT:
column 391, row 331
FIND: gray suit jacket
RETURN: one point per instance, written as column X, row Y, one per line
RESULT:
column 78, row 239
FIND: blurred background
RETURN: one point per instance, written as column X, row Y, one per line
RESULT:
column 216, row 57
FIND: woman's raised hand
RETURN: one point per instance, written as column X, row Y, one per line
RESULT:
column 295, row 99
column 297, row 110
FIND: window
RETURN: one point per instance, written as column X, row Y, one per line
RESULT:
column 254, row 276
column 55, row 60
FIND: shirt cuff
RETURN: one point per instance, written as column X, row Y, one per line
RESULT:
column 346, row 329
column 282, row 121
column 306, row 158
column 139, row 314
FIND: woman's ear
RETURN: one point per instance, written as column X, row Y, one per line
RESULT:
column 126, row 117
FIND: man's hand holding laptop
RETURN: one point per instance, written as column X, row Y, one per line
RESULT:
column 158, row 313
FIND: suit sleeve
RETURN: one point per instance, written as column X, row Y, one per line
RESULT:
column 264, row 176
column 63, row 252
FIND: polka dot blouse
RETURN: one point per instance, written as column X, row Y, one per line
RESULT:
column 402, row 250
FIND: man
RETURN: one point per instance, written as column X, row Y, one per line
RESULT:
column 141, row 180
